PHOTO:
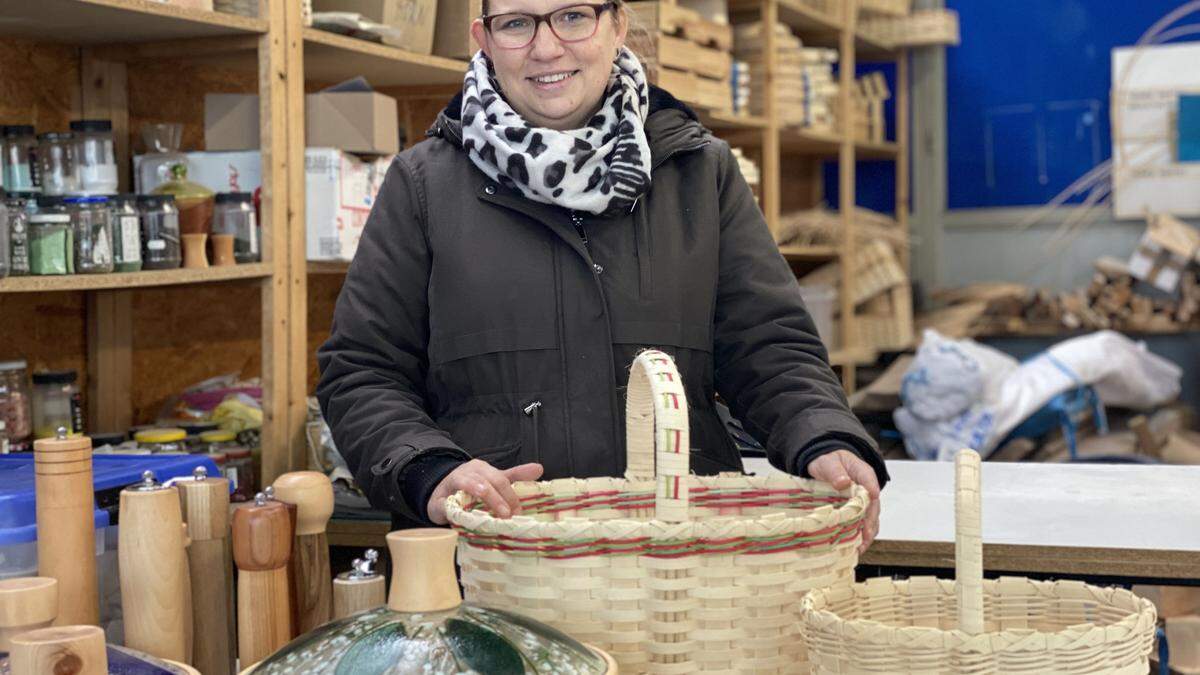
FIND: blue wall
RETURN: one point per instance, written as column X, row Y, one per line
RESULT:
column 1027, row 94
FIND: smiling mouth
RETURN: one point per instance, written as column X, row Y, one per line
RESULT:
column 554, row 77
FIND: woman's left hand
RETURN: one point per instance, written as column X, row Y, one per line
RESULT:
column 841, row 468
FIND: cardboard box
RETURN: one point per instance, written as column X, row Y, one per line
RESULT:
column 355, row 121
column 453, row 36
column 231, row 122
column 414, row 19
column 340, row 190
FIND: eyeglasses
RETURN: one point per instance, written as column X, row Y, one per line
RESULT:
column 517, row 30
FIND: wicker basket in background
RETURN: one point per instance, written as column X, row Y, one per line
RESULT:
column 1009, row 625
column 669, row 573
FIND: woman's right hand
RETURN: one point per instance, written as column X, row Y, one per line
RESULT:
column 483, row 481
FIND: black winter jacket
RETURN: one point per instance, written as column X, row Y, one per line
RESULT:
column 476, row 323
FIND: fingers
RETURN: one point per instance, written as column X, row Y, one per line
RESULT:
column 524, row 472
column 870, row 526
column 861, row 473
column 830, row 469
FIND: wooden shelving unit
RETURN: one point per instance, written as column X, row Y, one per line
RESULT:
column 130, row 280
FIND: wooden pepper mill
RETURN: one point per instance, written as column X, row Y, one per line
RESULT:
column 77, row 650
column 360, row 589
column 262, row 546
column 293, row 601
column 26, row 603
column 156, row 594
column 205, row 504
column 312, row 493
column 66, row 524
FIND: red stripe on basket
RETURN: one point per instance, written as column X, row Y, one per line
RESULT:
column 676, row 487
column 678, row 440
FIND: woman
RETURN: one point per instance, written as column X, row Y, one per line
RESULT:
column 562, row 217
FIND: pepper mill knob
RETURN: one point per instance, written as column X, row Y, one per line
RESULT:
column 61, row 433
column 200, row 473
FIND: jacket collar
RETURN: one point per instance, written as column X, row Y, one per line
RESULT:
column 671, row 126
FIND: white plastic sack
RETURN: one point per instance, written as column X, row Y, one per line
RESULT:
column 936, row 423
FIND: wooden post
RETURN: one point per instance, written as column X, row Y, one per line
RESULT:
column 78, row 650
column 846, row 187
column 312, row 493
column 26, row 603
column 262, row 546
column 206, row 509
column 770, row 179
column 66, row 524
column 156, row 594
column 360, row 589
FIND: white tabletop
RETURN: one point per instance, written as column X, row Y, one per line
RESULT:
column 1127, row 514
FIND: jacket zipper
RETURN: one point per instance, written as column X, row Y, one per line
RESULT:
column 531, row 411
column 577, row 221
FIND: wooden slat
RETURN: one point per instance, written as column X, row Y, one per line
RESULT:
column 94, row 282
column 846, row 187
column 809, row 253
column 110, row 360
column 770, row 179
column 297, row 361
column 90, row 22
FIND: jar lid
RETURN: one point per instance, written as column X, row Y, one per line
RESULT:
column 113, row 438
column 155, row 199
column 92, row 126
column 123, row 198
column 44, row 201
column 217, row 457
column 227, row 197
column 38, row 218
column 218, row 436
column 195, row 428
column 16, row 364
column 75, row 199
column 240, row 453
column 24, row 194
column 55, row 377
column 10, row 130
column 168, row 435
column 56, row 136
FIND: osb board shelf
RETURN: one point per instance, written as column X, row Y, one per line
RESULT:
column 97, row 282
column 329, row 57
column 115, row 21
column 1122, row 520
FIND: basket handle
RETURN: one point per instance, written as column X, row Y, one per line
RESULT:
column 656, row 433
column 968, row 542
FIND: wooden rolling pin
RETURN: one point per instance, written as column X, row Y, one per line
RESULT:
column 262, row 546
column 360, row 589
column 156, row 594
column 70, row 650
column 205, row 503
column 66, row 524
column 312, row 493
column 26, row 603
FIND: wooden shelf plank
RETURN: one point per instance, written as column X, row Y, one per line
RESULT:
column 117, row 21
column 809, row 253
column 722, row 121
column 329, row 57
column 95, row 282
column 852, row 356
column 810, row 23
column 871, row 150
column 328, row 266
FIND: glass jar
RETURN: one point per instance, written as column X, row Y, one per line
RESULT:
column 160, row 232
column 93, row 236
column 19, row 205
column 154, row 167
column 20, row 158
column 126, row 227
column 56, row 403
column 51, row 245
column 5, row 238
column 95, row 161
column 15, row 406
column 234, row 215
column 239, row 469
column 56, row 163
column 219, row 441
column 162, row 440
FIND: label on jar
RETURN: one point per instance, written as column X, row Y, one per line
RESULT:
column 77, row 413
column 19, row 247
column 156, row 245
column 253, row 234
column 101, row 250
column 231, row 473
column 131, row 245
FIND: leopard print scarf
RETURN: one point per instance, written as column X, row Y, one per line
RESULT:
column 602, row 168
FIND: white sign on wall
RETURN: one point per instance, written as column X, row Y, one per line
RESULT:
column 1147, row 177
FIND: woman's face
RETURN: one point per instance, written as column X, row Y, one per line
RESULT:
column 531, row 76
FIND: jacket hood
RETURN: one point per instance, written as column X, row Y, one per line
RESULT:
column 670, row 125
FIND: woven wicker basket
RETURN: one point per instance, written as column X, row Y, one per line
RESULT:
column 669, row 573
column 1010, row 625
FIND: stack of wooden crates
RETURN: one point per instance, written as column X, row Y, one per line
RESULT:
column 684, row 52
column 805, row 88
column 870, row 94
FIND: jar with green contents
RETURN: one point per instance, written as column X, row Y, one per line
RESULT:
column 56, row 403
column 93, row 238
column 168, row 440
column 126, row 226
column 51, row 243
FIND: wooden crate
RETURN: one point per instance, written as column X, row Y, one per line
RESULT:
column 680, row 54
column 671, row 19
column 887, row 7
column 715, row 95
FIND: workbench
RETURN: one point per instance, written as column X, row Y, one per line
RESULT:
column 1119, row 523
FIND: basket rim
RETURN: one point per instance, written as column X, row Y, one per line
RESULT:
column 818, row 518
column 1144, row 618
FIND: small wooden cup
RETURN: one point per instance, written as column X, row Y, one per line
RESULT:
column 222, row 250
column 194, row 255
